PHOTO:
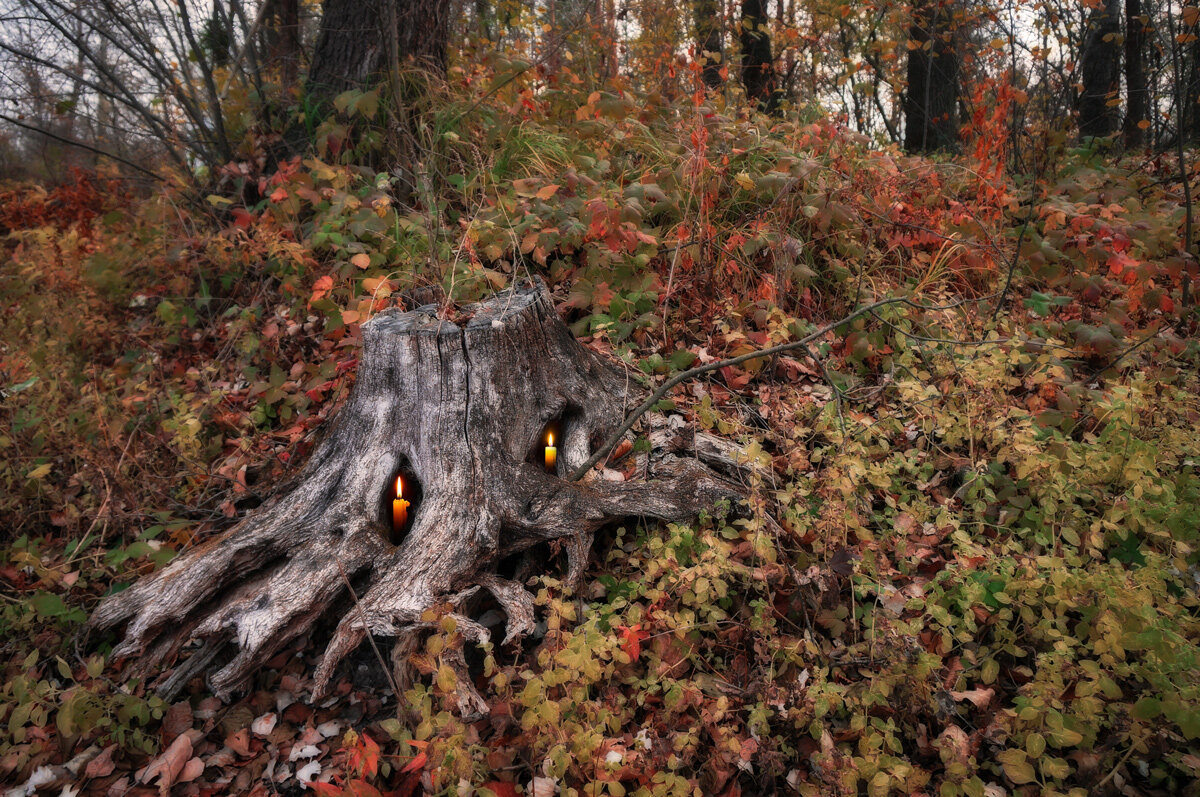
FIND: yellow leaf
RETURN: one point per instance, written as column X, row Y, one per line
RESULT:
column 1017, row 766
column 744, row 181
column 40, row 472
column 446, row 680
column 998, row 44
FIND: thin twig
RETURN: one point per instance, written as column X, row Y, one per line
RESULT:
column 1112, row 773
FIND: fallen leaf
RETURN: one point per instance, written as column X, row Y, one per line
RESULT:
column 361, row 260
column 308, row 772
column 239, row 742
column 264, row 724
column 543, row 787
column 102, row 765
column 307, row 751
column 980, row 697
column 328, row 729
column 169, row 766
column 177, row 720
column 191, row 770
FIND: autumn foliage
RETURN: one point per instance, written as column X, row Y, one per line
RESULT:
column 969, row 563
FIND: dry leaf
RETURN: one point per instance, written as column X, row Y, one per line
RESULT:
column 177, row 720
column 102, row 765
column 239, row 742
column 308, row 772
column 191, row 770
column 543, row 787
column 264, row 724
column 980, row 697
column 169, row 766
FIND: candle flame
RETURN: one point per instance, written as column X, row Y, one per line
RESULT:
column 399, row 487
column 550, row 439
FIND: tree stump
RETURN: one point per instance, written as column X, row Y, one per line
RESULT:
column 458, row 410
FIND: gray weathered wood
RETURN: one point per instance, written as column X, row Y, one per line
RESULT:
column 461, row 406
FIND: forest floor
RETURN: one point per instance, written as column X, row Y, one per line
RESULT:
column 990, row 494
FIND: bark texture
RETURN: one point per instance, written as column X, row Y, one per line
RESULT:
column 931, row 100
column 461, row 409
column 361, row 41
column 1100, row 72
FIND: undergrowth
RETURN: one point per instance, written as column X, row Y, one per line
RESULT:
column 969, row 565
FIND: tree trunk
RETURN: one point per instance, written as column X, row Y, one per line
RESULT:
column 361, row 41
column 283, row 39
column 709, row 41
column 1189, row 114
column 1100, row 73
column 1137, row 106
column 931, row 100
column 758, row 66
column 460, row 411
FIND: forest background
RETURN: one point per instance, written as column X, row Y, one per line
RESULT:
column 969, row 562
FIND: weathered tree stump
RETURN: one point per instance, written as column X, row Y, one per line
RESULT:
column 460, row 411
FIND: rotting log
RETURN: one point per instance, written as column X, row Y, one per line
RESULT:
column 459, row 409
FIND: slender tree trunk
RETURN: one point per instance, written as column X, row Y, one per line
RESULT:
column 284, row 39
column 1189, row 115
column 710, row 41
column 931, row 101
column 357, row 37
column 1100, row 73
column 1137, row 96
column 758, row 66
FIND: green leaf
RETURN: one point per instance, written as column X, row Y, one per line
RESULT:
column 47, row 604
column 682, row 359
column 1147, row 708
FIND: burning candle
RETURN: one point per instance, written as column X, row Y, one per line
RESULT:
column 399, row 508
column 551, row 453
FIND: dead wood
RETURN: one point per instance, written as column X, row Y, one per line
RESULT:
column 461, row 412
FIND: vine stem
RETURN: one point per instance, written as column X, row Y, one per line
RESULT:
column 683, row 376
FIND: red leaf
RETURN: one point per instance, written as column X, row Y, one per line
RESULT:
column 365, row 757
column 242, row 219
column 417, row 763
column 360, row 788
column 631, row 640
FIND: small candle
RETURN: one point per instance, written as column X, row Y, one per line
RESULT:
column 551, row 454
column 399, row 508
